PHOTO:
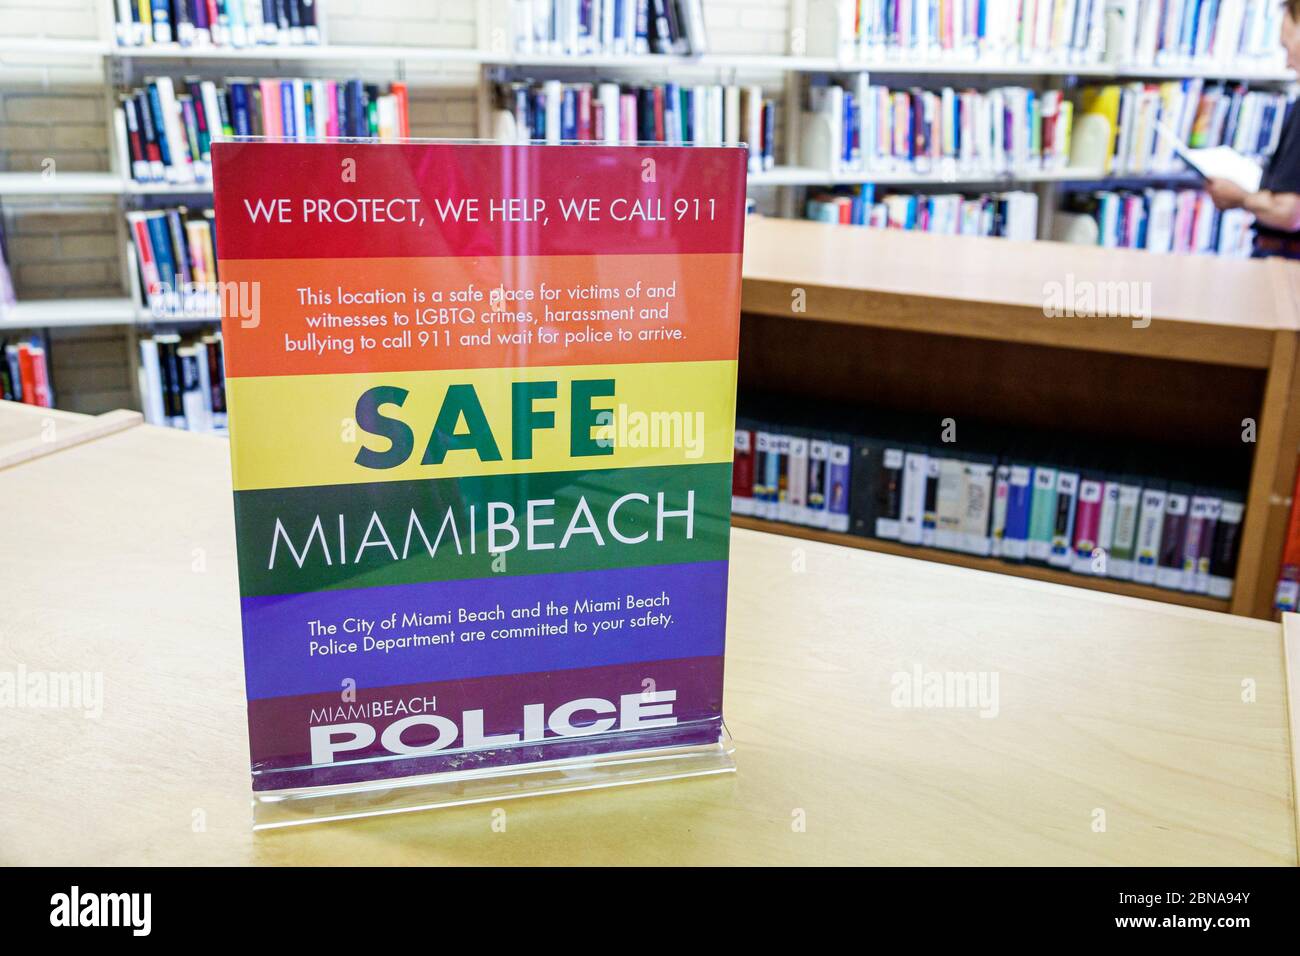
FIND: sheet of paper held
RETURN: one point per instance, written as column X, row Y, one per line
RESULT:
column 1217, row 162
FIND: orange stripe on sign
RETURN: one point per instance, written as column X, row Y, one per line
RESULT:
column 335, row 316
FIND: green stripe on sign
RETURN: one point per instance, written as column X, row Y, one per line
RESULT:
column 401, row 532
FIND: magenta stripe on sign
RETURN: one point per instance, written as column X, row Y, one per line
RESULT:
column 683, row 697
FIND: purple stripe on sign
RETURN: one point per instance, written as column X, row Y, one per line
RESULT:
column 450, row 630
column 280, row 730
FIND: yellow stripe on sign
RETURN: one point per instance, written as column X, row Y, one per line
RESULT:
column 301, row 430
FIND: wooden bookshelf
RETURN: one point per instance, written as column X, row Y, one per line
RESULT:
column 957, row 326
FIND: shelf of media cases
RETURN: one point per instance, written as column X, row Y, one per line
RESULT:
column 969, row 329
column 1034, row 572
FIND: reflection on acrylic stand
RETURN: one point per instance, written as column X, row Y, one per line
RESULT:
column 532, row 769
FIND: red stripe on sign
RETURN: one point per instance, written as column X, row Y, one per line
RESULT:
column 360, row 200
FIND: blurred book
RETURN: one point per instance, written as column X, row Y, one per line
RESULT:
column 1217, row 162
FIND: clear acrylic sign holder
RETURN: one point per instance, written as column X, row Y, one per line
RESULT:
column 658, row 229
column 614, row 760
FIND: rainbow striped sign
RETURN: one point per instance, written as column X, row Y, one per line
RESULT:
column 481, row 409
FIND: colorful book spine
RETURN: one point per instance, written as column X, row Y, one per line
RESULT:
column 838, row 485
column 1087, row 526
column 1042, row 515
column 1224, row 548
column 915, row 470
column 1067, row 500
column 1124, row 547
column 889, row 504
column 1173, row 538
column 742, row 472
column 1020, row 494
column 1151, row 521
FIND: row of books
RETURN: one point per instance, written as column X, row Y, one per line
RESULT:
column 1146, row 121
column 169, row 133
column 710, row 115
column 183, row 381
column 977, row 31
column 1076, row 508
column 585, row 27
column 25, row 373
column 176, row 255
column 861, row 127
column 1011, row 215
column 216, row 23
column 1237, row 34
column 1159, row 220
column 1232, row 33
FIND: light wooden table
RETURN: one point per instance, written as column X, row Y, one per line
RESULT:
column 1110, row 709
column 29, row 431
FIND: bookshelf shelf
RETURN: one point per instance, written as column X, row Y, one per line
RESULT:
column 1228, row 72
column 131, row 187
column 92, row 184
column 953, row 67
column 643, row 62
column 71, row 313
column 317, row 53
column 60, row 184
column 1032, row 571
column 809, row 176
column 60, row 313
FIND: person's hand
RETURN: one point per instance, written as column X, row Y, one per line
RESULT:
column 1225, row 193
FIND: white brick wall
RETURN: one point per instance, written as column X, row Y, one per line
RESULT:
column 748, row 26
column 64, row 19
column 442, row 23
column 57, row 109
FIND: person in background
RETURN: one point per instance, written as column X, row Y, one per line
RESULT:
column 1276, row 205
